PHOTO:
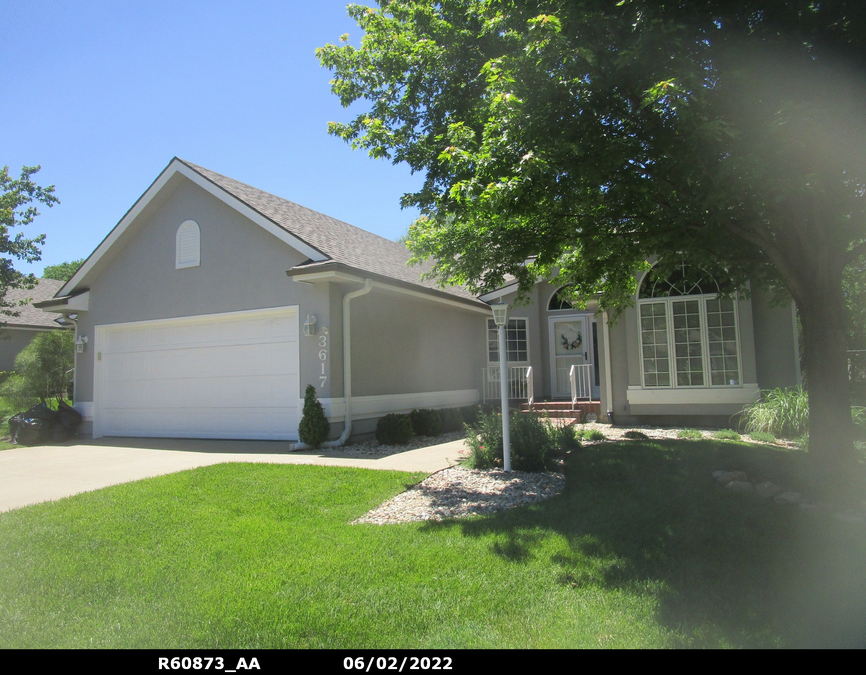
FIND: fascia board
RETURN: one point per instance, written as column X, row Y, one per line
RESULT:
column 335, row 275
column 314, row 277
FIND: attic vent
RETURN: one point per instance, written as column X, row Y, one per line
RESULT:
column 188, row 243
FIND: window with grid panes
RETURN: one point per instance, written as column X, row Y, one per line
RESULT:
column 688, row 334
column 516, row 341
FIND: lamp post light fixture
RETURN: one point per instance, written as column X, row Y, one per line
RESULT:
column 500, row 318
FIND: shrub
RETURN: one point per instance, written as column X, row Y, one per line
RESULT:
column 689, row 433
column 484, row 441
column 42, row 370
column 727, row 435
column 762, row 436
column 394, row 429
column 593, row 435
column 314, row 426
column 781, row 412
column 452, row 419
column 470, row 414
column 636, row 435
column 426, row 422
column 532, row 442
column 565, row 438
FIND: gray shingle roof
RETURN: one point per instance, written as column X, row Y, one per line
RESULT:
column 339, row 241
column 28, row 315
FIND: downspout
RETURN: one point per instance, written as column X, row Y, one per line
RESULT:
column 347, row 370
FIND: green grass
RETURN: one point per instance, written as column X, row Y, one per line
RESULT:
column 689, row 433
column 584, row 434
column 642, row 550
column 727, row 435
column 762, row 436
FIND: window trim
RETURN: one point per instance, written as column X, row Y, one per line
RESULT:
column 525, row 321
column 705, row 351
column 188, row 228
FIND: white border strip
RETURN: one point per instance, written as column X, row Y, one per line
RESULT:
column 368, row 407
column 719, row 395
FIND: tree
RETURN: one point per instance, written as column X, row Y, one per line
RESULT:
column 18, row 199
column 42, row 370
column 576, row 139
column 63, row 271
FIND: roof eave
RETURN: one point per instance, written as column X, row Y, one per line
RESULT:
column 341, row 272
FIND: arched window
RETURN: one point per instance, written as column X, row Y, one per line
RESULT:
column 688, row 335
column 188, row 245
column 557, row 301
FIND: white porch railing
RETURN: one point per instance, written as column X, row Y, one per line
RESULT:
column 581, row 382
column 519, row 383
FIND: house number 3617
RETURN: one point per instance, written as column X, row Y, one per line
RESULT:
column 323, row 355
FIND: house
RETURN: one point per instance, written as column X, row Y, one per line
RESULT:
column 16, row 332
column 212, row 305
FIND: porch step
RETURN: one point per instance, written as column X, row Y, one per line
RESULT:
column 565, row 409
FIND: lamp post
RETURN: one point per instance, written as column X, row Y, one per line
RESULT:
column 500, row 318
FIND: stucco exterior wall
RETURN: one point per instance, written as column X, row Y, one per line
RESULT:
column 404, row 345
column 242, row 268
column 776, row 349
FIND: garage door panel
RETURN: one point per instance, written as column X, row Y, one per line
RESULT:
column 220, row 393
column 228, row 376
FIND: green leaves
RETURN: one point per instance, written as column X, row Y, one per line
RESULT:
column 18, row 200
column 588, row 136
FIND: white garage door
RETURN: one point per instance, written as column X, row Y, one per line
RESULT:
column 217, row 376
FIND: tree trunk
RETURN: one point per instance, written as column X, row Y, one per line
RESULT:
column 831, row 440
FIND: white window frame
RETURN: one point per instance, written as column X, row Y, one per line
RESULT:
column 492, row 326
column 705, row 348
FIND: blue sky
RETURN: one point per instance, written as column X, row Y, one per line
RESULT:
column 103, row 94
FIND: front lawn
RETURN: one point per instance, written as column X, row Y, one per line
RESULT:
column 642, row 550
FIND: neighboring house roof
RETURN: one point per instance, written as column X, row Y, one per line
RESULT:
column 338, row 241
column 28, row 315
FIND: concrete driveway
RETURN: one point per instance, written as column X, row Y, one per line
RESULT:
column 46, row 473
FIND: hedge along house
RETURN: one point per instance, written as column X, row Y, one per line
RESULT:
column 211, row 305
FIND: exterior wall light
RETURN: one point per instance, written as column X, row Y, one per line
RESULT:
column 79, row 344
column 310, row 325
column 500, row 318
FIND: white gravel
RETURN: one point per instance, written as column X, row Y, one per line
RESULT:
column 458, row 492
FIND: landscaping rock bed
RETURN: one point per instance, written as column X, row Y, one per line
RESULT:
column 738, row 481
column 458, row 492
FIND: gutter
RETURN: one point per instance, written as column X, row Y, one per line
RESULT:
column 347, row 370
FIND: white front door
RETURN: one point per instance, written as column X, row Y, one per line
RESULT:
column 569, row 346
